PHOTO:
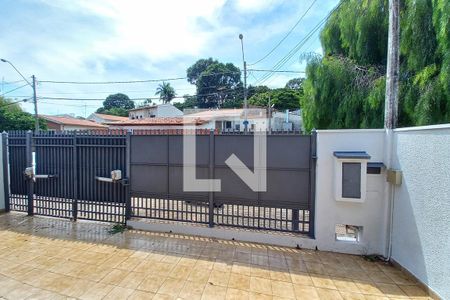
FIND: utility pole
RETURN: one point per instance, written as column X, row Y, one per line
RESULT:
column 270, row 116
column 36, row 118
column 241, row 37
column 393, row 66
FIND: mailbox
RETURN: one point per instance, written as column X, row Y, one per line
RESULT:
column 350, row 175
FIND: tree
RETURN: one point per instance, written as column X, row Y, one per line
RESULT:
column 194, row 71
column 253, row 90
column 295, row 84
column 189, row 102
column 117, row 105
column 12, row 117
column 345, row 87
column 281, row 99
column 166, row 92
column 217, row 83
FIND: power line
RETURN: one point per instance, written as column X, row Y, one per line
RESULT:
column 112, row 82
column 277, row 71
column 298, row 46
column 15, row 102
column 15, row 89
column 286, row 36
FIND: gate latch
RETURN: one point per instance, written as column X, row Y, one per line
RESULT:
column 29, row 172
column 116, row 175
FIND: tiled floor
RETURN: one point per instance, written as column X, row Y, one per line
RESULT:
column 43, row 258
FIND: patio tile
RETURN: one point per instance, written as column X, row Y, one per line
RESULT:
column 119, row 293
column 214, row 292
column 171, row 287
column 234, row 294
column 192, row 290
column 219, row 278
column 305, row 292
column 283, row 289
column 327, row 294
column 239, row 281
column 91, row 264
column 151, row 283
column 97, row 291
column 260, row 285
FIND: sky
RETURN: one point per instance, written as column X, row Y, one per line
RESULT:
column 128, row 40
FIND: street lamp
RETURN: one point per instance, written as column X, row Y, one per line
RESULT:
column 241, row 37
column 33, row 86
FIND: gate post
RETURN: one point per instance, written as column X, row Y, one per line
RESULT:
column 127, row 174
column 312, row 183
column 5, row 169
column 29, row 155
column 75, row 178
column 211, row 177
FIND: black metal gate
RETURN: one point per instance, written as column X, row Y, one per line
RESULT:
column 65, row 174
column 157, row 190
column 68, row 175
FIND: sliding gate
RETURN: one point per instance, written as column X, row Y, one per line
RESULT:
column 68, row 175
column 156, row 181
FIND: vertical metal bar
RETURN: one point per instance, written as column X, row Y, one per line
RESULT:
column 211, row 177
column 75, row 177
column 295, row 219
column 312, row 182
column 128, row 177
column 5, row 169
column 29, row 157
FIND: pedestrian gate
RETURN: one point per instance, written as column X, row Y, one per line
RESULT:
column 70, row 175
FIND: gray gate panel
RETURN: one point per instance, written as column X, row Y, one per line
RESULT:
column 176, row 150
column 176, row 184
column 240, row 145
column 233, row 188
column 150, row 149
column 288, row 151
column 286, row 189
column 147, row 179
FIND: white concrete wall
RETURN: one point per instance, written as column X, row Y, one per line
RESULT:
column 168, row 110
column 371, row 214
column 421, row 223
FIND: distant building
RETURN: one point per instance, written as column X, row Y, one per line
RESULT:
column 60, row 123
column 103, row 118
column 154, row 111
column 158, row 123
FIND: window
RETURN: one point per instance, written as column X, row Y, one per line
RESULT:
column 351, row 180
column 238, row 127
column 228, row 124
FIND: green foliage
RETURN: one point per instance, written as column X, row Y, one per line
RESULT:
column 218, row 84
column 295, row 84
column 115, row 111
column 12, row 117
column 117, row 228
column 281, row 99
column 189, row 102
column 116, row 101
column 346, row 88
column 166, row 92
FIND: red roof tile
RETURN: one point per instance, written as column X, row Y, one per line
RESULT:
column 72, row 121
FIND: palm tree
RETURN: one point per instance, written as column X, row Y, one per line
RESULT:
column 166, row 92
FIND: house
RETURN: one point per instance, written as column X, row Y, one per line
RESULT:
column 233, row 119
column 160, row 123
column 103, row 118
column 60, row 123
column 154, row 111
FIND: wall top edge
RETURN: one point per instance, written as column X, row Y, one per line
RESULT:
column 419, row 128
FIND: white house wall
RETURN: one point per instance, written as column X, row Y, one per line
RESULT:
column 421, row 227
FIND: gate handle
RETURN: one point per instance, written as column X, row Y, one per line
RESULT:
column 44, row 176
column 116, row 176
